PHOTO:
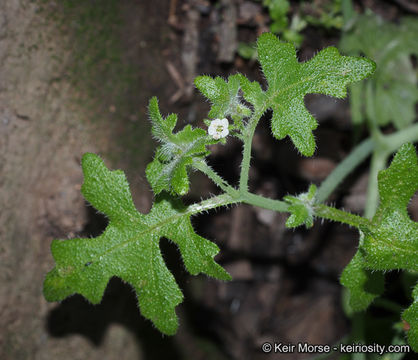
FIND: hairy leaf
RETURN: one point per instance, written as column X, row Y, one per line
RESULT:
column 301, row 209
column 223, row 95
column 410, row 315
column 289, row 81
column 168, row 170
column 252, row 92
column 364, row 285
column 129, row 249
column 391, row 242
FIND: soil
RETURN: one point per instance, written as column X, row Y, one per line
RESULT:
column 76, row 77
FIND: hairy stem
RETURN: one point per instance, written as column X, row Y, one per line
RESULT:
column 330, row 213
column 227, row 199
column 202, row 166
column 246, row 155
column 263, row 202
column 211, row 203
column 320, row 210
column 356, row 157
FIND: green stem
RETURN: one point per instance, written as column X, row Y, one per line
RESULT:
column 320, row 210
column 385, row 145
column 379, row 159
column 344, row 217
column 211, row 203
column 371, row 111
column 358, row 333
column 382, row 146
column 246, row 155
column 356, row 157
column 348, row 11
column 247, row 198
column 266, row 203
column 394, row 141
column 202, row 166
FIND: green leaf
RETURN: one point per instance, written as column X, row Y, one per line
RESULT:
column 289, row 81
column 391, row 242
column 394, row 84
column 129, row 249
column 252, row 92
column 301, row 208
column 168, row 170
column 363, row 285
column 410, row 315
column 223, row 96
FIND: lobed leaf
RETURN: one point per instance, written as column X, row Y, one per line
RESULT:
column 168, row 170
column 223, row 95
column 289, row 81
column 391, row 242
column 129, row 249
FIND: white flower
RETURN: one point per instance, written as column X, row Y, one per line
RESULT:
column 218, row 128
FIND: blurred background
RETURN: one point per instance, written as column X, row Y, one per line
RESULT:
column 76, row 76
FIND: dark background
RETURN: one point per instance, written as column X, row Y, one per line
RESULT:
column 76, row 76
